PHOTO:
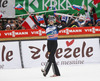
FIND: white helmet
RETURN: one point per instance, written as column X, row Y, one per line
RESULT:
column 51, row 18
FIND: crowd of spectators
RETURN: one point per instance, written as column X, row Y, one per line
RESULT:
column 87, row 20
column 11, row 24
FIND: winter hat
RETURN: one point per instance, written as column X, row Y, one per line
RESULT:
column 7, row 26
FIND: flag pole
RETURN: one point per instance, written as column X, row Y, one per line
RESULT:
column 40, row 12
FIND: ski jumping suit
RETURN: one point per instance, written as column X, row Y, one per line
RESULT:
column 52, row 35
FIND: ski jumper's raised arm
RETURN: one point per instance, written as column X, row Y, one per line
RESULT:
column 64, row 26
column 45, row 19
column 37, row 23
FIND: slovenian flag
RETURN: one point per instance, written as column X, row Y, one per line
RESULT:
column 76, row 7
column 19, row 7
column 40, row 19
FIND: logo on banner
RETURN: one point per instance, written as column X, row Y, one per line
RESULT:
column 6, row 8
column 41, row 5
column 3, row 3
column 69, row 43
column 9, row 55
column 30, row 5
column 16, row 33
column 83, row 51
column 6, row 56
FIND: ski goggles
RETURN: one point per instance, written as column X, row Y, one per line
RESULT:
column 52, row 18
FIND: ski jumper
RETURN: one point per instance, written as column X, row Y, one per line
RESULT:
column 52, row 36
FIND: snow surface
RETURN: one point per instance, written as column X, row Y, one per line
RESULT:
column 89, row 72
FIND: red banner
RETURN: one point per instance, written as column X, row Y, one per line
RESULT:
column 42, row 32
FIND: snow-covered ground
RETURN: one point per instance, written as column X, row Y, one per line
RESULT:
column 89, row 72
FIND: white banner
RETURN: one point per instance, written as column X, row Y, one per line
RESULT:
column 69, row 52
column 9, row 55
column 7, row 8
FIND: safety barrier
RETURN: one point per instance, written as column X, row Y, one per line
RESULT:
column 82, row 32
column 18, row 49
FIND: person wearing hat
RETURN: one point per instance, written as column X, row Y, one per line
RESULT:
column 88, row 23
column 52, row 36
column 98, row 22
column 8, row 27
column 82, row 18
column 73, row 23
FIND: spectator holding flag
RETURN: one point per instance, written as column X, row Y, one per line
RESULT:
column 98, row 22
column 82, row 18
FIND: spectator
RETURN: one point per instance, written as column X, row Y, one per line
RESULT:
column 19, row 26
column 63, row 19
column 8, row 27
column 88, row 22
column 81, row 20
column 73, row 23
column 98, row 22
column 13, row 26
column 19, row 19
column 8, row 23
column 1, row 28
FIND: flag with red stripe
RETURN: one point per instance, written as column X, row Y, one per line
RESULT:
column 96, row 1
column 28, row 23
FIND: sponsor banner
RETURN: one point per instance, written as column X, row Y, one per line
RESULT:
column 41, row 32
column 9, row 55
column 40, row 6
column 7, row 8
column 80, row 30
column 15, row 33
column 69, row 52
column 59, row 5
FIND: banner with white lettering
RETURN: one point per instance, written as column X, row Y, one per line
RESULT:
column 7, row 8
column 73, row 32
column 65, row 6
column 41, row 6
column 9, row 55
column 69, row 52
